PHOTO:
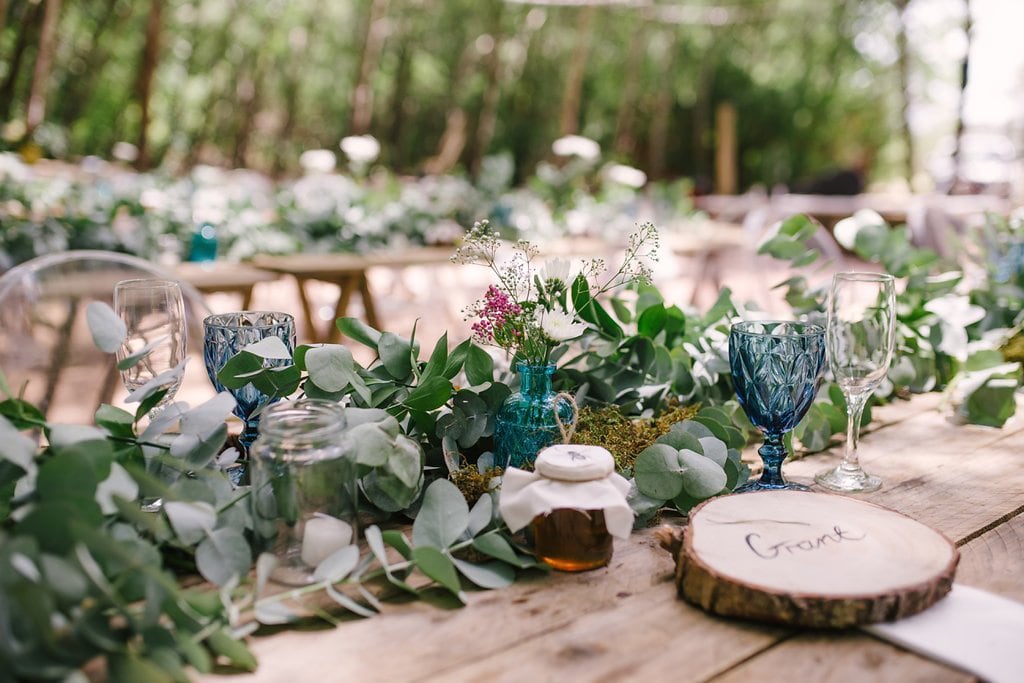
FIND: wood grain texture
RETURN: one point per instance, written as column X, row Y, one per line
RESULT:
column 994, row 561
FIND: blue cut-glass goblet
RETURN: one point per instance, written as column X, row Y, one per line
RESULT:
column 776, row 369
column 224, row 336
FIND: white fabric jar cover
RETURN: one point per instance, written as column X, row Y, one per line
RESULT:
column 567, row 476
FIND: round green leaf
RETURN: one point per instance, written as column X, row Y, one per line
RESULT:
column 702, row 477
column 657, row 471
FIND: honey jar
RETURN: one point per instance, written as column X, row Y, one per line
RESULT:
column 574, row 503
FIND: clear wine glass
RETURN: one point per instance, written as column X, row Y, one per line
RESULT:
column 153, row 312
column 860, row 334
column 776, row 369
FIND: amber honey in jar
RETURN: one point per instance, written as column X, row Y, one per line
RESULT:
column 572, row 540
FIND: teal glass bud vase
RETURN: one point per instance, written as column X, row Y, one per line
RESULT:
column 526, row 421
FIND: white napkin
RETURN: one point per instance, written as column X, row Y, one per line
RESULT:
column 970, row 629
column 524, row 495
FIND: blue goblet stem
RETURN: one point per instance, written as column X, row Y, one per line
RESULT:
column 249, row 433
column 772, row 453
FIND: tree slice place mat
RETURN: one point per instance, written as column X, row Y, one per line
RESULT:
column 811, row 559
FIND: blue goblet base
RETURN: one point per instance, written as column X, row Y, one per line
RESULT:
column 758, row 485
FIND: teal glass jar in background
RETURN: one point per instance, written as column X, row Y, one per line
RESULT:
column 204, row 244
column 304, row 487
column 526, row 422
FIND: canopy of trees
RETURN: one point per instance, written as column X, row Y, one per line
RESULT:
column 442, row 83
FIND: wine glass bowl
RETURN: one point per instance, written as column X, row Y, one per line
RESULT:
column 860, row 334
column 153, row 312
column 776, row 369
column 224, row 335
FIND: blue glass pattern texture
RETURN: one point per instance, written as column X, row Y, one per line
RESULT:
column 526, row 421
column 776, row 369
column 227, row 334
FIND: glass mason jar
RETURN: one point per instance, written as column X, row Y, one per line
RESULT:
column 304, row 486
column 526, row 422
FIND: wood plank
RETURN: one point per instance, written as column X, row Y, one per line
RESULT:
column 994, row 561
column 427, row 639
column 651, row 636
column 848, row 657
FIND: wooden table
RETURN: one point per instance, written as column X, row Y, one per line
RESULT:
column 707, row 242
column 222, row 276
column 624, row 623
column 349, row 272
column 894, row 208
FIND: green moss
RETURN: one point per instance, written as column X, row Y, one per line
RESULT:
column 473, row 483
column 1013, row 350
column 625, row 437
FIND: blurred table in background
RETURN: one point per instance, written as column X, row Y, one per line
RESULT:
column 221, row 276
column 348, row 272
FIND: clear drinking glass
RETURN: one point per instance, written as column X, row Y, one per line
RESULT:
column 153, row 312
column 776, row 369
column 860, row 334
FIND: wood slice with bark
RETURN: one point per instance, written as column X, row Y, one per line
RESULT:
column 809, row 559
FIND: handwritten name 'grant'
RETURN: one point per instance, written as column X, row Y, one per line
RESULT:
column 771, row 552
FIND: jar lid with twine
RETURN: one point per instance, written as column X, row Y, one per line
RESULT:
column 567, row 476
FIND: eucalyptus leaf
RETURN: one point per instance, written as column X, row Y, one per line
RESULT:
column 337, row 565
column 208, row 416
column 486, row 575
column 107, row 329
column 222, row 556
column 395, row 354
column 191, row 521
column 481, row 514
column 442, row 518
column 119, row 483
column 658, row 473
column 348, row 603
column 270, row 348
column 702, row 477
column 15, row 447
column 439, row 567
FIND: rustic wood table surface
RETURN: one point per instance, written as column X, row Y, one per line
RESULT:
column 624, row 623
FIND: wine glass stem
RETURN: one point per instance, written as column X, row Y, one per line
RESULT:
column 854, row 410
column 772, row 453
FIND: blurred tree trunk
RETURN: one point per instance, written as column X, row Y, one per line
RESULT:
column 903, row 70
column 36, row 110
column 28, row 28
column 78, row 88
column 625, row 136
column 453, row 140
column 968, row 28
column 369, row 59
column 661, row 117
column 144, row 84
column 3, row 16
column 403, row 78
column 569, row 118
column 292, row 87
column 488, row 119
